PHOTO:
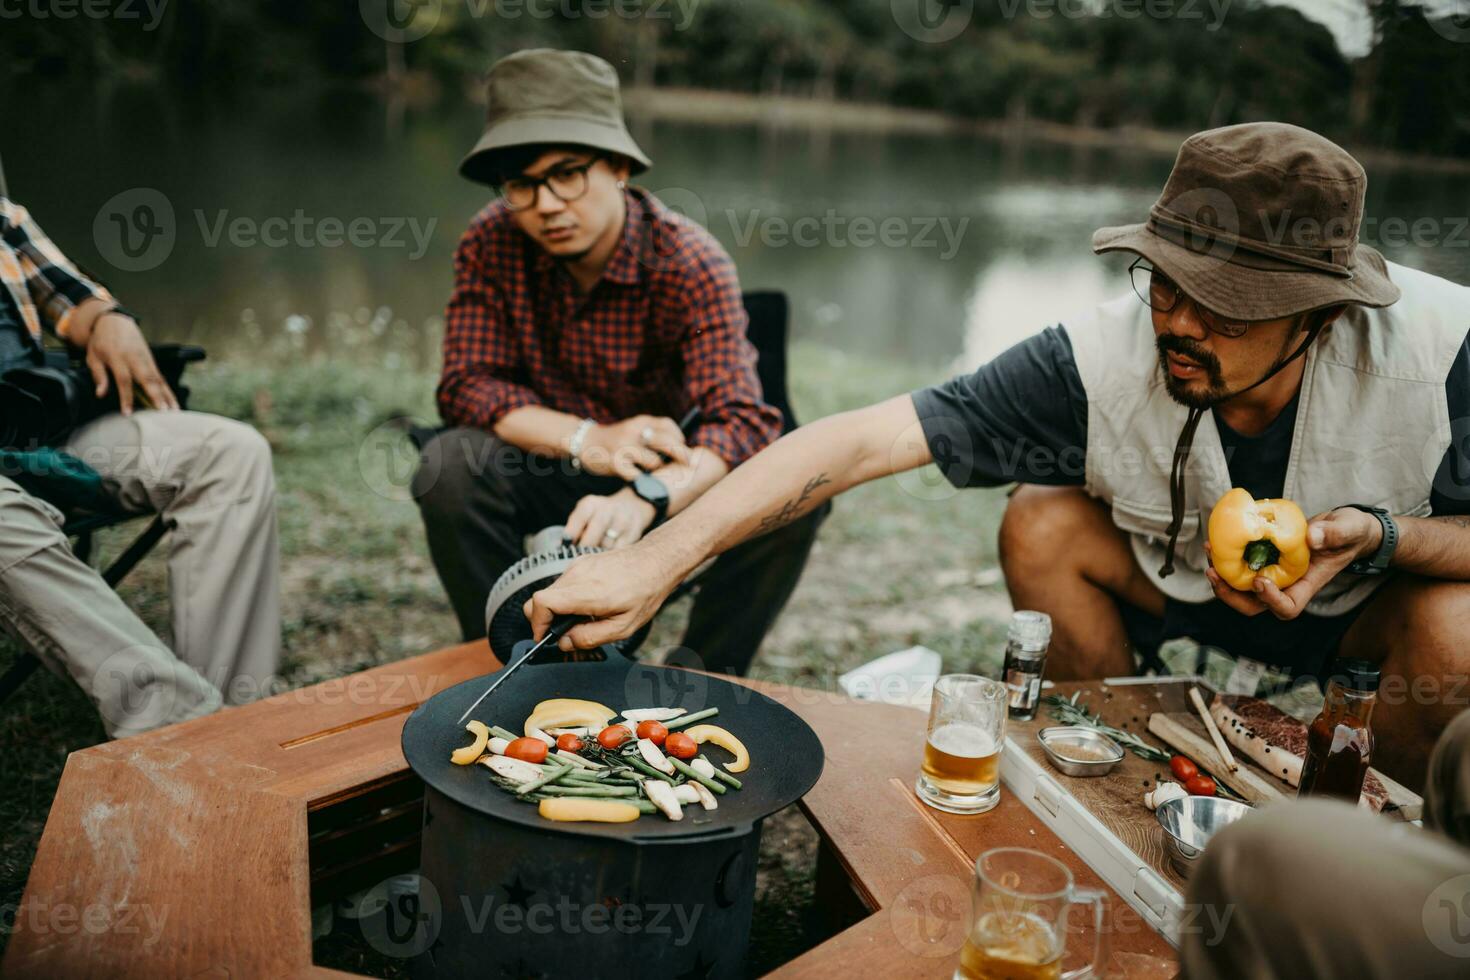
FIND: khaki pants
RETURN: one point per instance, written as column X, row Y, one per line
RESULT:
column 211, row 479
column 1323, row 889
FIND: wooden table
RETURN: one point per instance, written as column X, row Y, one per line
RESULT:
column 200, row 849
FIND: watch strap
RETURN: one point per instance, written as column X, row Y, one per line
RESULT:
column 1377, row 563
column 122, row 310
column 660, row 501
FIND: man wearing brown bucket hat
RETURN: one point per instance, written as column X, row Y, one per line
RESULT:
column 586, row 317
column 1261, row 347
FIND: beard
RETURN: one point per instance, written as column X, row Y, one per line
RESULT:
column 1190, row 394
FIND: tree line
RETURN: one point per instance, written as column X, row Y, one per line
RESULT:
column 1172, row 64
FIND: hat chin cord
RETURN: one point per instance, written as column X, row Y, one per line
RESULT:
column 1186, row 443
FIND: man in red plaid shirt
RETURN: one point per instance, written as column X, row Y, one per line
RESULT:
column 585, row 318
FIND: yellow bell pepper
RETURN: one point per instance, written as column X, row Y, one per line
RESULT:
column 471, row 752
column 1258, row 537
column 598, row 811
column 569, row 713
column 726, row 741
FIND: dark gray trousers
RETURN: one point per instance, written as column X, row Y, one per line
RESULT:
column 480, row 497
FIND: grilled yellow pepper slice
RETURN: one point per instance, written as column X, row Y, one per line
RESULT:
column 599, row 811
column 722, row 738
column 471, row 752
column 569, row 713
column 1258, row 537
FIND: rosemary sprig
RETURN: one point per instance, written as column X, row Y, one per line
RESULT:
column 1069, row 712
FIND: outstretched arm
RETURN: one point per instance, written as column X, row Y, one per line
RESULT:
column 620, row 591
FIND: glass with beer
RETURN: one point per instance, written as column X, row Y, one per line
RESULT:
column 967, row 726
column 1018, row 920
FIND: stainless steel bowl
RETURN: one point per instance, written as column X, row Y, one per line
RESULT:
column 1055, row 742
column 1189, row 823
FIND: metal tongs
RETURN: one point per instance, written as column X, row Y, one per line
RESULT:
column 556, row 631
column 561, row 625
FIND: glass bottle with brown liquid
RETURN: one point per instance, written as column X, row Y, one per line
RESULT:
column 1340, row 741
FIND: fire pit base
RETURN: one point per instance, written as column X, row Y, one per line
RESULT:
column 523, row 903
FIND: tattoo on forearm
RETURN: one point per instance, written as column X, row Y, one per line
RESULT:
column 1454, row 519
column 792, row 509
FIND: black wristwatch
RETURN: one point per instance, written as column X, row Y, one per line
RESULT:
column 1378, row 563
column 121, row 310
column 650, row 488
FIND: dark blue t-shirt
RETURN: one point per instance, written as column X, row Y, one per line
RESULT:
column 1023, row 418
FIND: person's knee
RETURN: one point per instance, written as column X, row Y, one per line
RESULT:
column 449, row 467
column 221, row 455
column 250, row 453
column 1043, row 523
column 1435, row 617
column 1440, row 614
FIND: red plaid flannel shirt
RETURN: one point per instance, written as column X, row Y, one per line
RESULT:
column 663, row 330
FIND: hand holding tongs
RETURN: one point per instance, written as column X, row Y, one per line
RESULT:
column 562, row 624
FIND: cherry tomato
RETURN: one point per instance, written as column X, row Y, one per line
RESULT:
column 653, row 731
column 1200, row 786
column 527, row 750
column 612, row 736
column 568, row 742
column 681, row 746
column 1184, row 770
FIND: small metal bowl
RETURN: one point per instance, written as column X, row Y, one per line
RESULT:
column 1056, row 740
column 1190, row 822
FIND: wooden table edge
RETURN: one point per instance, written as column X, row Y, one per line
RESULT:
column 297, row 767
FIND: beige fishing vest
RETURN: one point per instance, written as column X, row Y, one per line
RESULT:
column 1372, row 425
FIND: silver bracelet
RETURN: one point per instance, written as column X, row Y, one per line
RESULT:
column 574, row 445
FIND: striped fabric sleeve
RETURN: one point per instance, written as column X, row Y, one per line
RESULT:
column 56, row 286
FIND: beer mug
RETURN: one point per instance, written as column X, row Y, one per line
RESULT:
column 967, row 727
column 1018, row 920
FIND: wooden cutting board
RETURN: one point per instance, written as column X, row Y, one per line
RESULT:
column 1116, row 800
column 1184, row 732
column 1178, row 735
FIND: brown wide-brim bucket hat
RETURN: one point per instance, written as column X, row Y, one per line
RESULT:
column 1260, row 221
column 555, row 97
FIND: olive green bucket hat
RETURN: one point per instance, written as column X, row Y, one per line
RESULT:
column 546, row 96
column 1260, row 221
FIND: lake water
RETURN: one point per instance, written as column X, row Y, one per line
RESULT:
column 936, row 251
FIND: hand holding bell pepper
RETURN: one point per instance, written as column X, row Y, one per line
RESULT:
column 1258, row 537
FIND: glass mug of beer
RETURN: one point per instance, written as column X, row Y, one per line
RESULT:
column 967, row 727
column 1018, row 920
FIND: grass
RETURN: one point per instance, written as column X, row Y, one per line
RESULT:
column 891, row 569
column 899, row 562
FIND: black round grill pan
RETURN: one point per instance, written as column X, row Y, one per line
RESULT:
column 786, row 756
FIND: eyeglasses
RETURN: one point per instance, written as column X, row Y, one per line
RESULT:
column 565, row 183
column 1161, row 293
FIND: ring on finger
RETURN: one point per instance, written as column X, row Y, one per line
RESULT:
column 612, row 534
column 647, row 434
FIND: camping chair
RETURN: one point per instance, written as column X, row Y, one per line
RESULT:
column 770, row 323
column 82, row 525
